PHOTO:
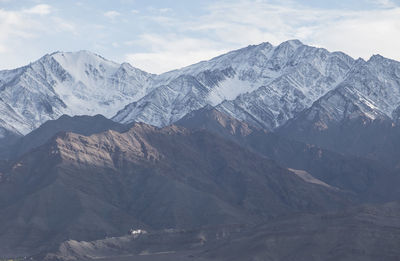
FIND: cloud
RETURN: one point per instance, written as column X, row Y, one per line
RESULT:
column 165, row 10
column 159, row 62
column 19, row 28
column 167, row 52
column 235, row 24
column 40, row 9
column 3, row 49
column 363, row 34
column 14, row 24
column 385, row 3
column 360, row 33
column 160, row 39
column 252, row 21
column 61, row 25
column 112, row 14
column 159, row 10
column 15, row 28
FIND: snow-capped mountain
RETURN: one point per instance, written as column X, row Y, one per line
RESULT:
column 167, row 103
column 308, row 74
column 371, row 90
column 360, row 117
column 263, row 84
column 66, row 83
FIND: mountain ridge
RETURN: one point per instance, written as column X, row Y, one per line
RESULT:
column 263, row 84
column 369, row 178
column 239, row 72
column 146, row 177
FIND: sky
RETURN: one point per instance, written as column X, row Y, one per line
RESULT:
column 161, row 35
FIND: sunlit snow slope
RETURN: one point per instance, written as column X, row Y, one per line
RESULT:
column 265, row 85
column 67, row 83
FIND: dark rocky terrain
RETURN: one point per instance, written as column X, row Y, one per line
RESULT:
column 89, row 187
column 370, row 180
column 225, row 189
column 377, row 139
column 365, row 233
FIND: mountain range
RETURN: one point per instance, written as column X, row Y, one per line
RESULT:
column 264, row 85
column 263, row 153
column 107, row 183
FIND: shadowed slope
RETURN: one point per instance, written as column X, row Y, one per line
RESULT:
column 368, row 179
column 366, row 233
column 84, row 187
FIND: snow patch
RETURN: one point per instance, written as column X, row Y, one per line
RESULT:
column 230, row 89
column 307, row 177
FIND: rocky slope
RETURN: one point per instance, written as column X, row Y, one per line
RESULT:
column 366, row 233
column 370, row 180
column 268, row 86
column 265, row 85
column 359, row 117
column 85, row 125
column 86, row 187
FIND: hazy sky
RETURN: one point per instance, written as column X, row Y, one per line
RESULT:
column 160, row 35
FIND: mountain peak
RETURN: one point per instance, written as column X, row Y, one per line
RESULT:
column 73, row 83
column 73, row 59
column 78, row 53
column 81, row 54
column 376, row 58
column 379, row 59
column 265, row 44
column 210, row 118
column 261, row 46
column 291, row 45
column 295, row 43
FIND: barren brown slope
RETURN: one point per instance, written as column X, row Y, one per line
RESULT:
column 85, row 125
column 85, row 188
